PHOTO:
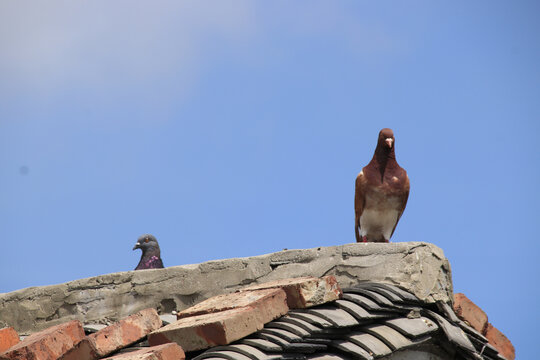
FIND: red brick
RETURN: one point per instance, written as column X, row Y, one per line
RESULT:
column 48, row 344
column 468, row 311
column 170, row 351
column 230, row 301
column 84, row 350
column 220, row 328
column 305, row 292
column 500, row 342
column 8, row 338
column 116, row 336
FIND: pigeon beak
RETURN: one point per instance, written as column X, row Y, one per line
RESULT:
column 137, row 246
column 389, row 142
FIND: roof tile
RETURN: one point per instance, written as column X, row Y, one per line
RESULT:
column 295, row 329
column 356, row 310
column 389, row 336
column 262, row 344
column 273, row 338
column 394, row 298
column 352, row 349
column 310, row 328
column 370, row 343
column 406, row 296
column 246, row 350
column 413, row 328
column 453, row 332
column 328, row 357
column 311, row 318
column 223, row 354
column 337, row 317
column 363, row 301
column 284, row 334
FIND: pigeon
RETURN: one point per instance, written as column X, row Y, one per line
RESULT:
column 382, row 190
column 150, row 258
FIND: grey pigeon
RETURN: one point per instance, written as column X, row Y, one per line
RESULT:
column 151, row 255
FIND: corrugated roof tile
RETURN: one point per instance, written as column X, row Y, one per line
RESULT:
column 406, row 296
column 306, row 348
column 310, row 318
column 273, row 338
column 222, row 354
column 394, row 298
column 335, row 316
column 378, row 298
column 413, row 328
column 365, row 302
column 246, row 350
column 295, row 329
column 370, row 343
column 391, row 337
column 284, row 334
column 328, row 357
column 312, row 329
column 351, row 348
column 453, row 332
column 262, row 344
column 356, row 310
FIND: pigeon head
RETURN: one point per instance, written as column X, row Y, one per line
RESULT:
column 385, row 147
column 147, row 242
column 386, row 139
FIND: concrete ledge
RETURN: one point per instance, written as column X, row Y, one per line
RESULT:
column 420, row 268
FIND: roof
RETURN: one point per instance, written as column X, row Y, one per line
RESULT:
column 373, row 320
column 397, row 302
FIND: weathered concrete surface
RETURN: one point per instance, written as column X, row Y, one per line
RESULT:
column 420, row 268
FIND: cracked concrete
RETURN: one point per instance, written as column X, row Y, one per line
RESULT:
column 420, row 268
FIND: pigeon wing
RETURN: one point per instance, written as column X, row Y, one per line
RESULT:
column 404, row 198
column 359, row 201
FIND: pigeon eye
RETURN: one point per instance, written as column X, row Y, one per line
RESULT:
column 146, row 240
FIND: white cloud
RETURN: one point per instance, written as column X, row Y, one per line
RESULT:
column 48, row 46
column 114, row 51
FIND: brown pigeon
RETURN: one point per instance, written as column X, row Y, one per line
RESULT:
column 382, row 190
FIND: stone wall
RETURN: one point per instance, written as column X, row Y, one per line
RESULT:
column 420, row 268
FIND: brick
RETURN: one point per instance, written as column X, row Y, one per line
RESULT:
column 169, row 351
column 305, row 292
column 468, row 311
column 48, row 344
column 84, row 350
column 230, row 301
column 199, row 332
column 8, row 338
column 116, row 336
column 500, row 342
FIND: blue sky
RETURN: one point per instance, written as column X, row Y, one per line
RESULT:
column 237, row 128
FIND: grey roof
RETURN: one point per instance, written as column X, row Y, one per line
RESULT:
column 373, row 320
